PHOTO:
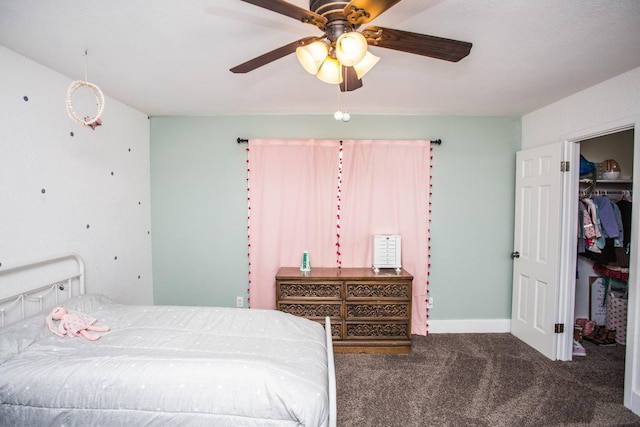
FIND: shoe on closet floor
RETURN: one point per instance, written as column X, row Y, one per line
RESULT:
column 578, row 349
column 607, row 338
column 588, row 326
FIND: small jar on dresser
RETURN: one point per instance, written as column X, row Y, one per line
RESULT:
column 370, row 311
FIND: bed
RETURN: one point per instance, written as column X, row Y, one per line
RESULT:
column 158, row 365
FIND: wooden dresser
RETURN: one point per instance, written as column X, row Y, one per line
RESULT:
column 370, row 312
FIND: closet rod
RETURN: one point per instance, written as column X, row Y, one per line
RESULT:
column 244, row 141
column 618, row 194
column 605, row 192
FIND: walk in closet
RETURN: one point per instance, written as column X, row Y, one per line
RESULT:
column 603, row 241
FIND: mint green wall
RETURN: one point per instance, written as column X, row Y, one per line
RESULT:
column 199, row 207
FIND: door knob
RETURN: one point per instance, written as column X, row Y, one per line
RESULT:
column 515, row 254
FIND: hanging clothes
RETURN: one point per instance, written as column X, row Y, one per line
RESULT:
column 593, row 240
column 622, row 254
column 602, row 228
column 607, row 216
column 624, row 206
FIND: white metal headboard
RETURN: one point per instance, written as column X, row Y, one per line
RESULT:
column 30, row 287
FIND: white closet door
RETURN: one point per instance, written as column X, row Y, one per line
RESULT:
column 537, row 238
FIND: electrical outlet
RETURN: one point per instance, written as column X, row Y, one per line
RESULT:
column 430, row 302
column 239, row 302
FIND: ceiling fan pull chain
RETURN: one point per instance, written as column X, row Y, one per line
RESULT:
column 338, row 114
column 345, row 114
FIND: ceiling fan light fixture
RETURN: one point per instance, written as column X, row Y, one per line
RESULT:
column 330, row 71
column 312, row 56
column 351, row 47
column 366, row 64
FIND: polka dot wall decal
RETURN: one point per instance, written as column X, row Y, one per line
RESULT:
column 43, row 191
column 72, row 134
column 26, row 98
column 115, row 258
column 111, row 173
column 88, row 226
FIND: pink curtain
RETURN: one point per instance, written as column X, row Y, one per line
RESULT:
column 298, row 202
column 386, row 191
column 292, row 199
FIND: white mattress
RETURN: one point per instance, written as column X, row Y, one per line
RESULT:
column 166, row 365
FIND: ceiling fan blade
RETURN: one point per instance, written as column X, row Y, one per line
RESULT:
column 275, row 54
column 362, row 11
column 419, row 44
column 350, row 80
column 285, row 8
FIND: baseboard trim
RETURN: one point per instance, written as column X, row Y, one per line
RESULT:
column 469, row 326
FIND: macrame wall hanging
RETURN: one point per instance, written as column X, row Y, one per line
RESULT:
column 92, row 122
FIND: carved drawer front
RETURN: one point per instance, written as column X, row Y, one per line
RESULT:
column 336, row 329
column 376, row 290
column 315, row 290
column 377, row 311
column 312, row 310
column 376, row 330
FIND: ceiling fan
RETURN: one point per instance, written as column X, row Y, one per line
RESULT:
column 340, row 54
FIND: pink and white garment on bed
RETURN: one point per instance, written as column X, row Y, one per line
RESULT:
column 76, row 322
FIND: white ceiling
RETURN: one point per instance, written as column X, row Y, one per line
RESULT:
column 172, row 57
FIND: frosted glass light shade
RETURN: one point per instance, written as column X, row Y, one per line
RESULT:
column 312, row 56
column 366, row 64
column 330, row 71
column 351, row 48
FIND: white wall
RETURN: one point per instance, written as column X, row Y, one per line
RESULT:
column 68, row 188
column 611, row 101
column 610, row 105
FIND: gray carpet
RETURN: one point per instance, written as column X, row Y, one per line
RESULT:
column 481, row 380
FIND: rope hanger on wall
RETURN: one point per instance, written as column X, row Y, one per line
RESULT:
column 91, row 122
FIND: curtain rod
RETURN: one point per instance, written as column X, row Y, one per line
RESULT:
column 244, row 141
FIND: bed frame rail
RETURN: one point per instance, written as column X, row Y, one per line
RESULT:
column 31, row 287
column 333, row 408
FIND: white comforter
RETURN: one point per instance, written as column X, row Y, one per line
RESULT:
column 165, row 365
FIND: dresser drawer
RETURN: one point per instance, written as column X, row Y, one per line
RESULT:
column 377, row 290
column 336, row 329
column 376, row 330
column 312, row 310
column 378, row 310
column 311, row 290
